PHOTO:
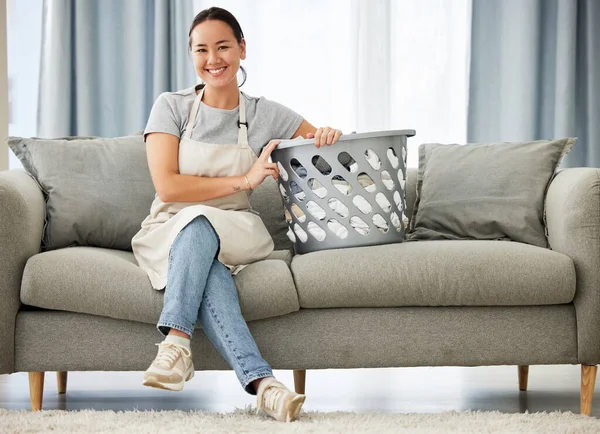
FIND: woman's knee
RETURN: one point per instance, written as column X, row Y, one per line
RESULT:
column 199, row 233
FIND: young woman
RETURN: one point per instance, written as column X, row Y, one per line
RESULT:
column 203, row 145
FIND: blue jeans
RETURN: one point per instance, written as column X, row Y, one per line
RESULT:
column 199, row 287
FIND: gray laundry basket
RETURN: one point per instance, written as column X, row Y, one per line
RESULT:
column 345, row 195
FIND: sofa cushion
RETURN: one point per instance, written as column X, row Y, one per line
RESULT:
column 434, row 273
column 109, row 283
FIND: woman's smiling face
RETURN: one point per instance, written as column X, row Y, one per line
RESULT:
column 216, row 53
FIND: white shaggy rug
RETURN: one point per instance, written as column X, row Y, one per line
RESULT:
column 246, row 421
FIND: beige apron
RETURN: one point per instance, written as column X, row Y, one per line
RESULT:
column 243, row 236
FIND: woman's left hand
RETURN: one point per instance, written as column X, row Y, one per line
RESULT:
column 325, row 136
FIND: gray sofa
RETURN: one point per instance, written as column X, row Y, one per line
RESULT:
column 426, row 303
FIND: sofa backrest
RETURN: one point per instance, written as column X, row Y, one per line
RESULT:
column 118, row 166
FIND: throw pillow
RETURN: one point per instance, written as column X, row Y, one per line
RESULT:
column 485, row 191
column 99, row 190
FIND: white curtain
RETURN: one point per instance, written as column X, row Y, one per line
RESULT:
column 358, row 65
column 362, row 65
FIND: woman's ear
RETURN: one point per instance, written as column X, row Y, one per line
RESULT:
column 243, row 49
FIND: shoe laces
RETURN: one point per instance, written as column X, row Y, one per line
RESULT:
column 169, row 352
column 271, row 396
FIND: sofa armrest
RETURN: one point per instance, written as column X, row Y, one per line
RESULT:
column 573, row 222
column 22, row 213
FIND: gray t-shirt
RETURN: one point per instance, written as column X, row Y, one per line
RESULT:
column 267, row 120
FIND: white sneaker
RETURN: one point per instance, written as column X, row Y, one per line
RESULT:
column 278, row 401
column 171, row 368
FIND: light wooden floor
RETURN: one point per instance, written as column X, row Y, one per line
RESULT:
column 402, row 390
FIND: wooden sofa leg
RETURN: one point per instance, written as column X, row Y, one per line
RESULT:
column 300, row 381
column 588, row 381
column 61, row 380
column 36, row 390
column 523, row 376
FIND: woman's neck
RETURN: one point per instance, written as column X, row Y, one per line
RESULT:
column 222, row 98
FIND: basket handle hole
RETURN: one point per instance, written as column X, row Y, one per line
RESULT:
column 302, row 236
column 383, row 203
column 342, row 185
column 297, row 191
column 387, row 180
column 317, row 188
column 398, row 200
column 372, row 159
column 298, row 213
column 282, row 172
column 298, row 168
column 321, row 165
column 336, row 205
column 360, row 226
column 337, row 228
column 284, row 193
column 366, row 182
column 315, row 210
column 391, row 154
column 348, row 162
column 316, row 231
column 396, row 222
column 380, row 223
column 362, row 204
column 402, row 179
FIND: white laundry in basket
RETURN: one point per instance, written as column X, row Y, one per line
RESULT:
column 334, row 192
column 395, row 220
column 336, row 205
column 341, row 231
column 368, row 184
column 316, row 210
column 365, row 207
column 316, row 231
column 373, row 159
column 360, row 202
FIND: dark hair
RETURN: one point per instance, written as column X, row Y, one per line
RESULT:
column 227, row 17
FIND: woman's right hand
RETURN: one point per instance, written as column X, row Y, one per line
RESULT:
column 262, row 168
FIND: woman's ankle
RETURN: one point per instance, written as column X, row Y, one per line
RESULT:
column 175, row 332
column 256, row 382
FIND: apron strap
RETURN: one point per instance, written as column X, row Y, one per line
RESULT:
column 192, row 116
column 242, row 124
